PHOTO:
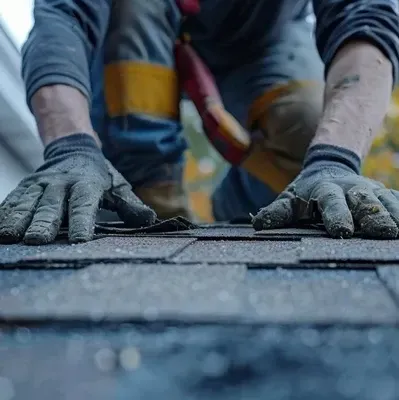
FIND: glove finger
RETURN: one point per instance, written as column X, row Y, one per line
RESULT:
column 84, row 202
column 13, row 227
column 334, row 210
column 131, row 209
column 10, row 201
column 278, row 214
column 390, row 202
column 369, row 213
column 47, row 220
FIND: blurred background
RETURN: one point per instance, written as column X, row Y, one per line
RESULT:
column 21, row 150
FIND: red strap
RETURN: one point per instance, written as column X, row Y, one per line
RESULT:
column 195, row 77
column 188, row 7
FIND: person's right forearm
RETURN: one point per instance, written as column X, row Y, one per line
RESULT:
column 56, row 59
column 60, row 111
column 65, row 37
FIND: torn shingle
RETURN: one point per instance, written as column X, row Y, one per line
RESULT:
column 266, row 253
column 168, row 225
column 127, row 291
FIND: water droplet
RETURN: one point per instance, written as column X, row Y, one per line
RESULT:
column 85, row 276
column 52, row 296
column 375, row 336
column 223, row 296
column 150, row 313
column 345, row 284
column 130, row 358
column 105, row 360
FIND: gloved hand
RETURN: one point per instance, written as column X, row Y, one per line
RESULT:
column 330, row 190
column 72, row 183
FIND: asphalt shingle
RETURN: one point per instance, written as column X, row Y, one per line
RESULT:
column 242, row 232
column 15, row 256
column 107, row 249
column 156, row 278
column 246, row 232
column 292, row 232
column 302, row 296
column 199, row 292
column 363, row 251
column 256, row 253
column 141, row 291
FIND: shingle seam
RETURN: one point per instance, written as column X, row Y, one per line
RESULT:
column 390, row 290
column 180, row 249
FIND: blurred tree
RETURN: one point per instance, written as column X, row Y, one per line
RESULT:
column 382, row 162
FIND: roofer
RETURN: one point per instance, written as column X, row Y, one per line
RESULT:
column 101, row 73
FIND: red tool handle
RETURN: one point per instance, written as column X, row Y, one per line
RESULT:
column 223, row 131
column 195, row 77
column 188, row 7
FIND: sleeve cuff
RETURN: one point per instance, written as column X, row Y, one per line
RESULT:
column 374, row 21
column 372, row 38
column 48, row 80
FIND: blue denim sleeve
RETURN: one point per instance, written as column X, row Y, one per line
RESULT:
column 376, row 21
column 62, row 43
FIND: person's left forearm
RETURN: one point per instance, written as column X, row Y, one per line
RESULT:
column 357, row 96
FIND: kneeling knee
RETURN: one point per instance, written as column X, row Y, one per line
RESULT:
column 289, row 122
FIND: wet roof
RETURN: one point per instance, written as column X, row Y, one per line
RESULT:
column 204, row 274
column 329, row 307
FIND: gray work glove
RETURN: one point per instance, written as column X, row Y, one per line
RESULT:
column 330, row 190
column 71, row 185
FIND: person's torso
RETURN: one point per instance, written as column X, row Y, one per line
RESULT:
column 240, row 28
column 228, row 21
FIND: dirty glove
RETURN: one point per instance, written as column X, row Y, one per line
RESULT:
column 330, row 190
column 72, row 183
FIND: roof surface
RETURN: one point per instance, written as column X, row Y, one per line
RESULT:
column 220, row 312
